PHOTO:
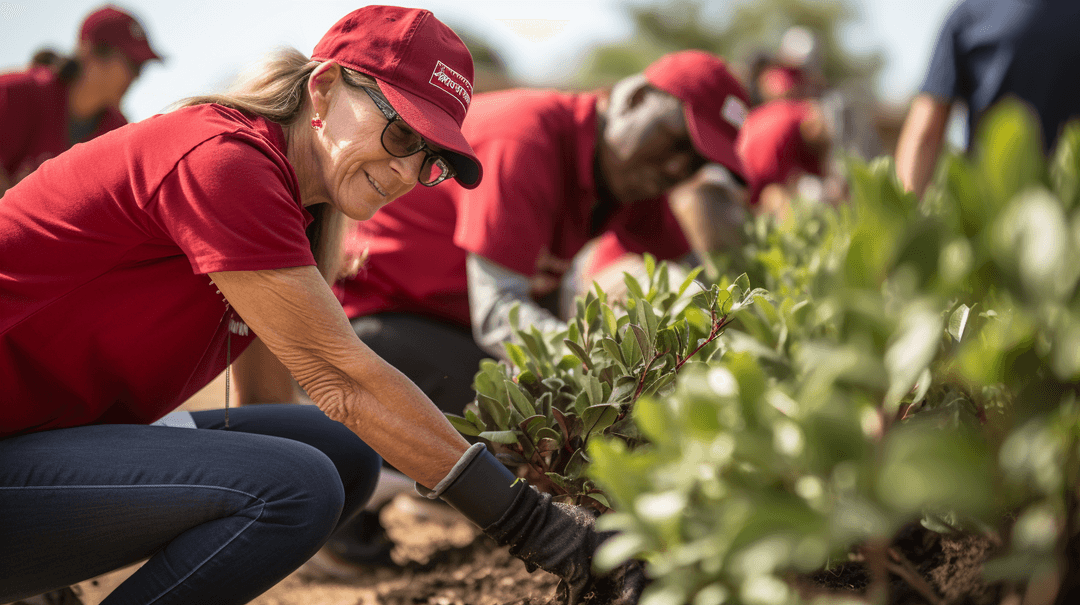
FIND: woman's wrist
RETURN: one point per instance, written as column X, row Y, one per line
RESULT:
column 478, row 486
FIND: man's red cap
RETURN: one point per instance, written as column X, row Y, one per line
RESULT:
column 113, row 27
column 422, row 67
column 714, row 101
column 780, row 81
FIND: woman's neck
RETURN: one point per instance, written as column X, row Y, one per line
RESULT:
column 299, row 150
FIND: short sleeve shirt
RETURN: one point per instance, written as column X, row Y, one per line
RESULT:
column 106, row 312
column 34, row 120
column 991, row 49
column 534, row 206
column 771, row 146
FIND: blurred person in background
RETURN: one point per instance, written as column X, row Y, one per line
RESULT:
column 61, row 101
column 988, row 50
column 135, row 267
column 786, row 143
column 782, row 142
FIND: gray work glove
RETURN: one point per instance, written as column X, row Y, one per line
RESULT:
column 561, row 539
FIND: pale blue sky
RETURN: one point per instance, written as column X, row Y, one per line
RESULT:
column 206, row 43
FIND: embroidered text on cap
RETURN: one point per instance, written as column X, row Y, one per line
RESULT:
column 452, row 83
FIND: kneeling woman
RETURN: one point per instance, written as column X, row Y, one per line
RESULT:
column 134, row 268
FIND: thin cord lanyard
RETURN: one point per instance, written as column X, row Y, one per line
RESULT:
column 228, row 368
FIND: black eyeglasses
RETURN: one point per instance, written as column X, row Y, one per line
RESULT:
column 401, row 141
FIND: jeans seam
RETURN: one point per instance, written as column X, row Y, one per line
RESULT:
column 262, row 508
column 195, row 568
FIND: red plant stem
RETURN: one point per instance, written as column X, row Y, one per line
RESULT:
column 716, row 331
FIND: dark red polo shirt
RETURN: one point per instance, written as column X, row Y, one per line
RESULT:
column 106, row 312
column 34, row 120
column 536, row 201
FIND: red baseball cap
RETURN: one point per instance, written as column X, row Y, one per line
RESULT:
column 781, row 80
column 114, row 27
column 422, row 67
column 714, row 101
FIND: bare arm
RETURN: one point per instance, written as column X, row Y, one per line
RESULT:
column 711, row 210
column 920, row 142
column 258, row 377
column 301, row 322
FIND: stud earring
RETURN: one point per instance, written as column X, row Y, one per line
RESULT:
column 316, row 122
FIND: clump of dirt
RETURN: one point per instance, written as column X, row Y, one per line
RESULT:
column 949, row 567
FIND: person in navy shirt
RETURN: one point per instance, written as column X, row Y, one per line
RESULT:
column 989, row 50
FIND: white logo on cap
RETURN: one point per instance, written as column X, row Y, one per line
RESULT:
column 734, row 111
column 452, row 83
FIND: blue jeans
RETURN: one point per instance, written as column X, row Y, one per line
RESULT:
column 222, row 515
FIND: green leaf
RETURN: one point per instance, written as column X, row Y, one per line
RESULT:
column 475, row 420
column 658, row 385
column 625, row 386
column 531, row 425
column 599, row 417
column 515, row 311
column 911, row 350
column 550, row 433
column 494, row 408
column 503, row 437
column 611, row 324
column 690, row 277
column 519, row 399
column 612, row 348
column 633, row 286
column 958, row 322
column 516, row 354
column 646, row 347
column 575, row 465
column 593, row 389
column 592, row 312
column 462, row 425
column 579, row 352
column 631, row 350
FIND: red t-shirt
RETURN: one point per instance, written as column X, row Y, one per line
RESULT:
column 771, row 146
column 535, row 204
column 34, row 120
column 106, row 314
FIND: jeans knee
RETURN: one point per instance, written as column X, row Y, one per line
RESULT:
column 307, row 491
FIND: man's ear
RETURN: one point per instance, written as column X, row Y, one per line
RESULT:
column 638, row 94
column 320, row 85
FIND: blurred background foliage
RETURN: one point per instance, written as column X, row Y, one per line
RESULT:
column 750, row 28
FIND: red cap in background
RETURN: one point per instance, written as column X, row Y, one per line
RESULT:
column 714, row 101
column 781, row 81
column 113, row 27
column 422, row 67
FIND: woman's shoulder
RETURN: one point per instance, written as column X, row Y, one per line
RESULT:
column 183, row 129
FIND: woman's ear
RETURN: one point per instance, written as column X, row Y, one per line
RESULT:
column 321, row 83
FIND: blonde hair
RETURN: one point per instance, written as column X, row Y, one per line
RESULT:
column 275, row 89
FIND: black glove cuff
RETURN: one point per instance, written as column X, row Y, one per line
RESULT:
column 482, row 491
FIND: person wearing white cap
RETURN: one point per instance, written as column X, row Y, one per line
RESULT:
column 137, row 266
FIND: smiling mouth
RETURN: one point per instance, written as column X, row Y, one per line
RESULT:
column 376, row 186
